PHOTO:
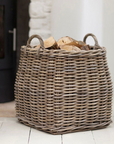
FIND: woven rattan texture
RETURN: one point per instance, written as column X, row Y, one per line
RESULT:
column 59, row 92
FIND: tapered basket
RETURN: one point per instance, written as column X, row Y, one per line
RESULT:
column 59, row 92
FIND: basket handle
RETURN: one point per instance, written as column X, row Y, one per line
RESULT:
column 93, row 36
column 40, row 39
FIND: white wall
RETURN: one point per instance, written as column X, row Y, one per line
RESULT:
column 76, row 18
column 108, row 33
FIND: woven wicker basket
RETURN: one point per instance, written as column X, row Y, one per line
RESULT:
column 57, row 91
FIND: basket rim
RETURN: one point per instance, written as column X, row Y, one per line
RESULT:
column 58, row 52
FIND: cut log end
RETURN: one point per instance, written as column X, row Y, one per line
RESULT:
column 64, row 41
column 70, row 41
column 69, row 48
column 50, row 43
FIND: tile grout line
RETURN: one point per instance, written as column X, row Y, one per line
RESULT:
column 29, row 135
column 93, row 137
column 1, row 125
column 61, row 139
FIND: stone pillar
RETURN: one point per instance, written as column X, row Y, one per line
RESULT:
column 40, row 20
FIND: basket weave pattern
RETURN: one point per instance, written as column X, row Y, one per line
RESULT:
column 59, row 92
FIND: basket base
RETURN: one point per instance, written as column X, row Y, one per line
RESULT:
column 65, row 130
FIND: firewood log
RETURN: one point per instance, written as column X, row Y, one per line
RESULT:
column 50, row 43
column 70, row 41
column 69, row 48
column 64, row 41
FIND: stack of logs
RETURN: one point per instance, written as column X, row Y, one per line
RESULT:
column 65, row 43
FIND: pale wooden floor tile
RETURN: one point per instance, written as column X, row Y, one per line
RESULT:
column 78, row 138
column 38, row 137
column 12, row 132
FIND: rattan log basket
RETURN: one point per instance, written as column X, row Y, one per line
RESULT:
column 59, row 92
